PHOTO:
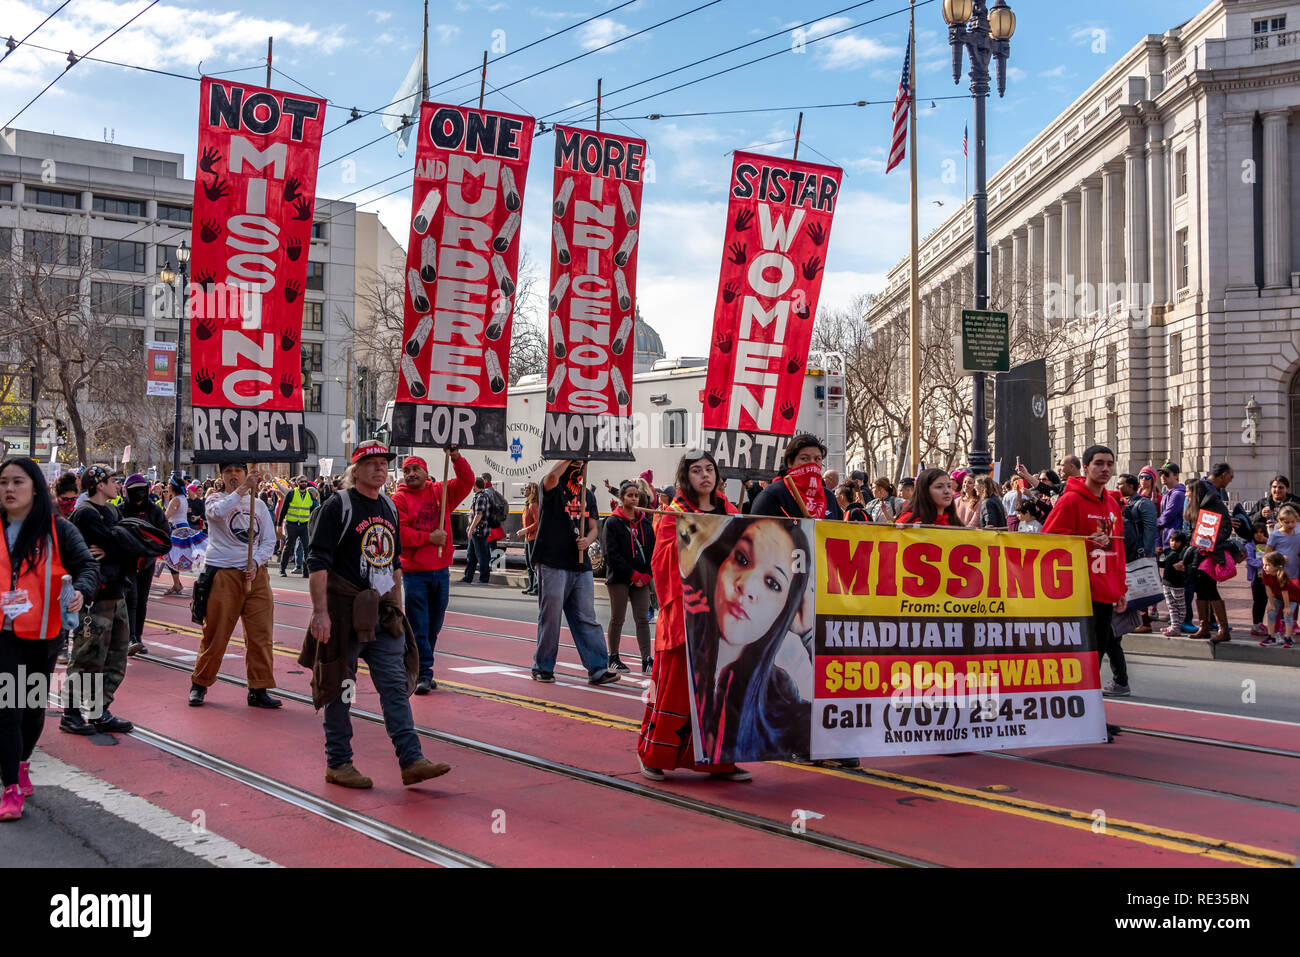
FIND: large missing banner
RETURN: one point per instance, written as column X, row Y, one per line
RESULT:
column 254, row 196
column 774, row 255
column 592, row 303
column 913, row 641
column 462, row 265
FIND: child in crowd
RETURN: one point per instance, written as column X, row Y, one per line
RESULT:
column 1028, row 517
column 1284, row 539
column 1255, row 550
column 1175, row 582
column 1283, row 596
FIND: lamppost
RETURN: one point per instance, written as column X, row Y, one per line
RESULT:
column 985, row 34
column 168, row 276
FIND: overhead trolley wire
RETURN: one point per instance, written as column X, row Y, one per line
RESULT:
column 11, row 46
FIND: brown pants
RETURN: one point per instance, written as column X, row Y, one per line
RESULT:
column 228, row 603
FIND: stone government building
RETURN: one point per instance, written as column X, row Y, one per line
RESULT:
column 1159, row 208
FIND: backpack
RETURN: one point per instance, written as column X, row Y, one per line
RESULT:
column 345, row 498
column 498, row 510
column 152, row 541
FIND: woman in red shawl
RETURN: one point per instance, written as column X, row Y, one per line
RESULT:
column 665, row 740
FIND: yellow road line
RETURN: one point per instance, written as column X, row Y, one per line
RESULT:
column 1182, row 841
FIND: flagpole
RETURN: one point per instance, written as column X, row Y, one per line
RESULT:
column 424, row 60
column 798, row 131
column 914, row 359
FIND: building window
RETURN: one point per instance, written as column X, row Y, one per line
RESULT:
column 1112, row 364
column 1068, row 384
column 1089, row 432
column 313, row 356
column 313, row 316
column 51, row 249
column 117, row 299
column 1175, row 353
column 1180, row 173
column 53, row 295
column 316, row 276
column 311, row 398
column 153, row 167
column 1090, row 373
column 1112, row 433
column 6, row 242
column 119, row 254
column 674, row 429
column 318, row 230
column 1070, row 447
column 6, row 191
column 117, row 207
column 1184, row 260
column 52, row 197
column 174, row 214
column 1176, row 434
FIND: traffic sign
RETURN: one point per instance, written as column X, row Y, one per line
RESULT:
column 985, row 341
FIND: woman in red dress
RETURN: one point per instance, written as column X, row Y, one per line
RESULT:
column 665, row 740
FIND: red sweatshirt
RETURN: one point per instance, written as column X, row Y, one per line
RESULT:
column 417, row 514
column 1079, row 512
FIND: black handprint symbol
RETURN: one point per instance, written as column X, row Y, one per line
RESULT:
column 723, row 342
column 292, row 189
column 787, row 410
column 737, row 253
column 216, row 189
column 743, row 220
column 801, row 307
column 817, row 233
column 205, row 328
column 211, row 230
column 204, row 379
column 303, row 207
column 288, row 338
column 715, row 398
column 208, row 161
column 287, row 384
column 204, row 278
column 730, row 291
column 294, row 249
column 792, row 365
column 812, row 267
column 291, row 291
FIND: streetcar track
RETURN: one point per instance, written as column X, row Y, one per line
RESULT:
column 398, row 838
column 729, row 815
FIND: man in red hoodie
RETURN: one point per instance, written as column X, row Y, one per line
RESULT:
column 427, row 550
column 1086, row 508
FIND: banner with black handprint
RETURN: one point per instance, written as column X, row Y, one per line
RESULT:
column 254, row 195
column 595, row 223
column 462, row 265
column 774, row 254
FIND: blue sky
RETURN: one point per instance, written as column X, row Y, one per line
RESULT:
column 356, row 54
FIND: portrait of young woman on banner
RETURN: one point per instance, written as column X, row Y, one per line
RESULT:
column 748, row 593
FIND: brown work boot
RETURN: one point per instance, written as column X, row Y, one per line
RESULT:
column 348, row 776
column 422, row 770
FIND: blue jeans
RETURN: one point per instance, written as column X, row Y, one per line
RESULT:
column 476, row 551
column 426, row 606
column 388, row 672
column 574, row 594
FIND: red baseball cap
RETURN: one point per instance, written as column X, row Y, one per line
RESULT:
column 415, row 460
column 368, row 448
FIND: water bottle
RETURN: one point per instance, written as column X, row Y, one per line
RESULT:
column 70, row 618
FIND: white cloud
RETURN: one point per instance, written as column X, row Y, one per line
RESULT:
column 380, row 15
column 1015, row 74
column 1092, row 35
column 848, row 52
column 1056, row 71
column 599, row 32
column 446, row 31
column 823, row 27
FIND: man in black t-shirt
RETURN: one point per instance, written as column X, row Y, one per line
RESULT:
column 353, row 564
column 568, row 526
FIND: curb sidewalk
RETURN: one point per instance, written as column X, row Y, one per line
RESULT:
column 1239, row 651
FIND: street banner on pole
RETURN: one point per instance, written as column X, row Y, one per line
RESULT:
column 884, row 641
column 254, row 196
column 596, row 223
column 462, row 262
column 774, row 255
column 160, row 368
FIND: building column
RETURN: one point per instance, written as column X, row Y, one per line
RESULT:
column 1277, row 200
column 1157, row 214
column 1016, row 279
column 1071, row 233
column 1092, row 246
column 1135, row 230
column 1033, row 273
column 1112, row 234
column 1240, row 200
column 1053, row 275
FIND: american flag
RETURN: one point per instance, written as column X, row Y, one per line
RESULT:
column 964, row 131
column 898, row 145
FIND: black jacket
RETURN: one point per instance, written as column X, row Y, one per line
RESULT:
column 993, row 514
column 99, row 526
column 1256, row 509
column 628, row 548
column 76, row 558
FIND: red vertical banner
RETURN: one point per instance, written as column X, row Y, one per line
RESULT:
column 596, row 222
column 254, row 196
column 774, row 254
column 462, row 263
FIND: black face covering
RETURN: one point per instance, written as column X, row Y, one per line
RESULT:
column 137, row 494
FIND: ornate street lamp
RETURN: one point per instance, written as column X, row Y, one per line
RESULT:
column 984, row 34
column 167, row 275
